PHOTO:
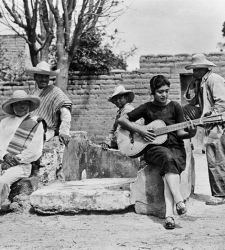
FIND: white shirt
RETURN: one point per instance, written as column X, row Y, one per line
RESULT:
column 8, row 127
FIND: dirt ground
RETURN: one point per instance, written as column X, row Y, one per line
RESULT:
column 202, row 228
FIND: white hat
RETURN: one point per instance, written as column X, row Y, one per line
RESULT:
column 120, row 90
column 18, row 96
column 42, row 68
column 200, row 61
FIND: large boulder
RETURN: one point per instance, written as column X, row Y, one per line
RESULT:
column 81, row 155
column 108, row 194
column 147, row 192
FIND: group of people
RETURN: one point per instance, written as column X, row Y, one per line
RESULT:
column 206, row 96
column 23, row 133
column 32, row 120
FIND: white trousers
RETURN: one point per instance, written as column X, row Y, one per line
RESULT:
column 10, row 176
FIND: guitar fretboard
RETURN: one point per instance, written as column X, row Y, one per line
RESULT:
column 182, row 125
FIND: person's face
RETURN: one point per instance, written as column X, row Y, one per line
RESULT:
column 120, row 100
column 161, row 94
column 198, row 73
column 21, row 108
column 41, row 80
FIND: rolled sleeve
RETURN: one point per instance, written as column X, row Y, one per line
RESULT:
column 216, row 84
column 65, row 117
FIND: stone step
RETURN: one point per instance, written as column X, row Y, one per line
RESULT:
column 106, row 194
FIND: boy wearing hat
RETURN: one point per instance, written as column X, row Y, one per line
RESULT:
column 122, row 99
column 209, row 89
column 21, row 140
column 55, row 106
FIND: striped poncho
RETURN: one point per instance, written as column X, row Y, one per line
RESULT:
column 23, row 136
column 52, row 100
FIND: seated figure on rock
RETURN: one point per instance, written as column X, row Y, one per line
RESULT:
column 55, row 109
column 170, row 156
column 21, row 140
column 122, row 99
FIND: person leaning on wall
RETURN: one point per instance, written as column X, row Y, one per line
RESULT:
column 55, row 109
column 121, row 98
column 209, row 99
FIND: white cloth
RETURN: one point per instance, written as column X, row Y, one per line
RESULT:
column 64, row 128
column 8, row 127
column 213, row 93
column 65, row 117
column 33, row 152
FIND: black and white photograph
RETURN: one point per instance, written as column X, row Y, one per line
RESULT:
column 112, row 124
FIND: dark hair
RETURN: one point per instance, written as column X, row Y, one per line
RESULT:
column 157, row 82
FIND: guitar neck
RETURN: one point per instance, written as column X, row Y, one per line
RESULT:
column 174, row 127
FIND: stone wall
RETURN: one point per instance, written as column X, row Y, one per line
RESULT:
column 91, row 110
column 13, row 44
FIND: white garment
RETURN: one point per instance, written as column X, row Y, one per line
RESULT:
column 65, row 117
column 33, row 152
column 8, row 127
column 213, row 93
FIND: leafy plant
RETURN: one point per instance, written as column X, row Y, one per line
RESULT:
column 11, row 68
column 94, row 57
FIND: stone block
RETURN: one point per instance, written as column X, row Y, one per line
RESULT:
column 108, row 194
column 109, row 164
column 51, row 161
column 147, row 192
column 82, row 155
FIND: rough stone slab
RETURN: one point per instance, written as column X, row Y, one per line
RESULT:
column 81, row 154
column 108, row 194
column 147, row 192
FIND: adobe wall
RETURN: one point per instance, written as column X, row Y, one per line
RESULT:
column 91, row 110
column 13, row 45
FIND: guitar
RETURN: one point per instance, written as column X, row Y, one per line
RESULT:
column 133, row 144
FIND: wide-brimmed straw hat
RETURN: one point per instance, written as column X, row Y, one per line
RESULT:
column 18, row 96
column 200, row 61
column 42, row 68
column 120, row 90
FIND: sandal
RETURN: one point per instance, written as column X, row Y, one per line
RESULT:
column 181, row 208
column 169, row 223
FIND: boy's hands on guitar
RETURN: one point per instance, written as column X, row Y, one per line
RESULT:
column 147, row 134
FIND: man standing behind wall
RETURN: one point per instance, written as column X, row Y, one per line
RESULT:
column 55, row 109
column 209, row 96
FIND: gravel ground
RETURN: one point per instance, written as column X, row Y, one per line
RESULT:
column 202, row 228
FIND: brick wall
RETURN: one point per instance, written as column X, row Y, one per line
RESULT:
column 91, row 110
column 13, row 45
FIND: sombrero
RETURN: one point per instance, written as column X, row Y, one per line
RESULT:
column 200, row 61
column 18, row 96
column 42, row 68
column 120, row 90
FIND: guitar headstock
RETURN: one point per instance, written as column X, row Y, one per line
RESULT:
column 213, row 118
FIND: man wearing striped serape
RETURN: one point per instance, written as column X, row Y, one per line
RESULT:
column 55, row 107
column 21, row 140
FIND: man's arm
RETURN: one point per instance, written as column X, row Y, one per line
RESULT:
column 65, row 123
